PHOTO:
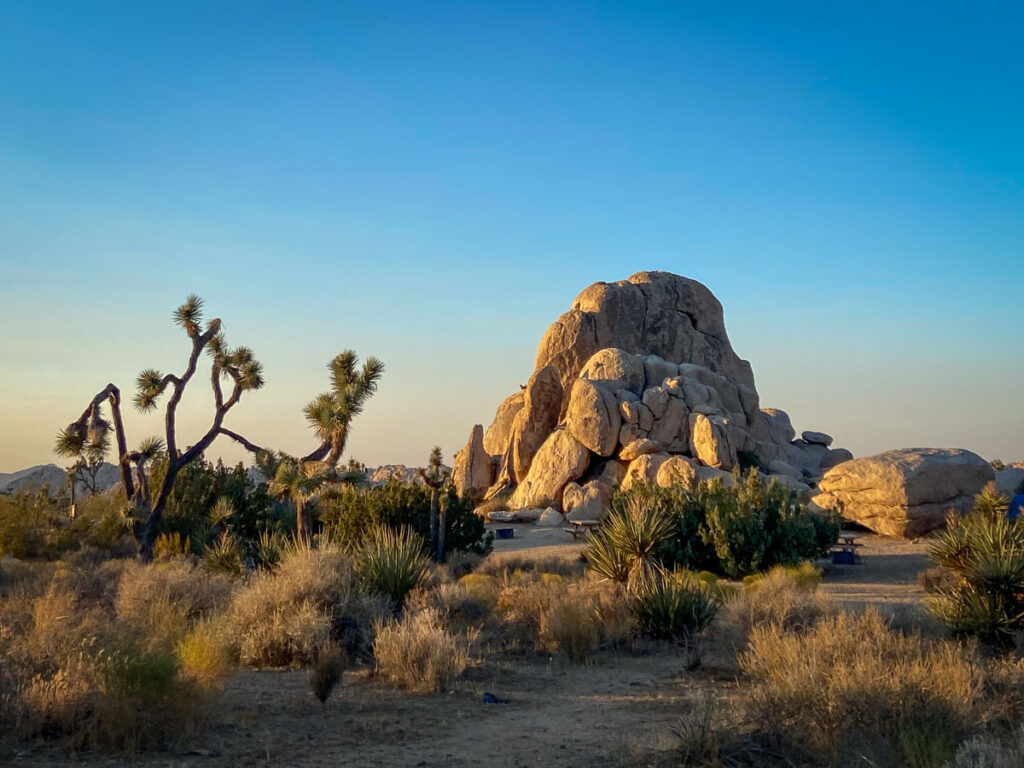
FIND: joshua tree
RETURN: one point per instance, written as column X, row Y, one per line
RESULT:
column 331, row 413
column 435, row 476
column 237, row 365
column 298, row 483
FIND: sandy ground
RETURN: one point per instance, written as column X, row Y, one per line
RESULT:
column 620, row 710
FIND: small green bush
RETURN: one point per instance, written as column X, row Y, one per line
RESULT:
column 674, row 606
column 392, row 563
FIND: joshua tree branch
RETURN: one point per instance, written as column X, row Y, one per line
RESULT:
column 248, row 445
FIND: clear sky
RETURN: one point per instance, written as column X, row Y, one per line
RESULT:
column 433, row 183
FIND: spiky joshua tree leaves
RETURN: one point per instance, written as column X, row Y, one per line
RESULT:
column 330, row 413
column 237, row 367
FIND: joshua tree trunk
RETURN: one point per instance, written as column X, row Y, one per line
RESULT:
column 434, row 515
column 441, row 525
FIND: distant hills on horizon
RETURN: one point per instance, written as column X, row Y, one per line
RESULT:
column 34, row 478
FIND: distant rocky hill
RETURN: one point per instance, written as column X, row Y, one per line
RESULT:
column 34, row 478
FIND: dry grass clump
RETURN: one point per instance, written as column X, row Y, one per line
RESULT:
column 280, row 617
column 783, row 599
column 71, row 672
column 547, row 612
column 506, row 566
column 418, row 653
column 165, row 599
column 851, row 685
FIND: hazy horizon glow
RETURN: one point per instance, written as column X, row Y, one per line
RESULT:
column 434, row 183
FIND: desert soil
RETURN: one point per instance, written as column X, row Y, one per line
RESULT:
column 619, row 710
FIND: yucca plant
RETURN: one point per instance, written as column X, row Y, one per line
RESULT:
column 270, row 546
column 984, row 550
column 392, row 562
column 674, row 606
column 627, row 547
column 225, row 556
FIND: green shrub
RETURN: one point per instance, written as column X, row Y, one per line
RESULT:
column 984, row 552
column 392, row 562
column 350, row 513
column 674, row 606
column 734, row 530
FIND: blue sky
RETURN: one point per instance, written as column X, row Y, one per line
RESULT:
column 433, row 183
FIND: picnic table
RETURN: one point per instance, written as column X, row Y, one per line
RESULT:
column 580, row 528
column 844, row 551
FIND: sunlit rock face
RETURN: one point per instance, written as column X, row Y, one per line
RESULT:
column 907, row 492
column 634, row 374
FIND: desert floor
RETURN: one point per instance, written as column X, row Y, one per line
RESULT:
column 619, row 710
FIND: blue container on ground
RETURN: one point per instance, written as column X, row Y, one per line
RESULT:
column 1016, row 507
column 844, row 557
column 505, row 533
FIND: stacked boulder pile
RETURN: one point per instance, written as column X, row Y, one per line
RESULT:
column 636, row 382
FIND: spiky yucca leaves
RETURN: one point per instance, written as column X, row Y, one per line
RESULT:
column 985, row 551
column 674, row 605
column 392, row 562
column 330, row 414
column 628, row 546
column 225, row 555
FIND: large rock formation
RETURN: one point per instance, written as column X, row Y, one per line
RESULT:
column 637, row 372
column 905, row 492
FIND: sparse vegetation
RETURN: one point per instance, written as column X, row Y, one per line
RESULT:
column 984, row 553
column 418, row 653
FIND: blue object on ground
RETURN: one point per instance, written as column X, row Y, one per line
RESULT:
column 844, row 557
column 1016, row 507
column 490, row 698
column 506, row 533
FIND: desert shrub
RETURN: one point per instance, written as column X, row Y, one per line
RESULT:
column 416, row 652
column 984, row 552
column 280, row 617
column 783, row 599
column 38, row 526
column 392, row 562
column 851, row 685
column 674, row 606
column 72, row 673
column 752, row 526
column 164, row 600
column 988, row 752
column 572, row 626
column 734, row 530
column 326, row 670
column 350, row 513
column 204, row 653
